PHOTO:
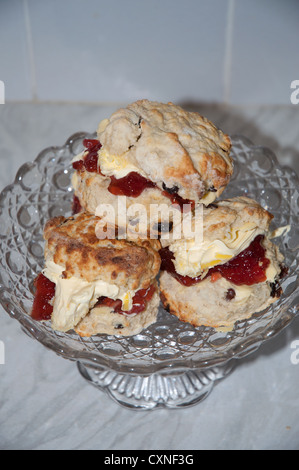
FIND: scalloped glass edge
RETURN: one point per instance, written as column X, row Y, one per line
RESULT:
column 289, row 306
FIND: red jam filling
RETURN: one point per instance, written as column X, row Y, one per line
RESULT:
column 140, row 300
column 131, row 185
column 76, row 206
column 45, row 291
column 247, row 268
column 90, row 160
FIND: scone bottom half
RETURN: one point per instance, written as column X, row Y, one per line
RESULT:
column 153, row 152
column 96, row 286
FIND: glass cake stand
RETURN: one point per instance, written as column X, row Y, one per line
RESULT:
column 170, row 364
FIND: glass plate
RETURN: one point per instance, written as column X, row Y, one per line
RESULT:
column 171, row 363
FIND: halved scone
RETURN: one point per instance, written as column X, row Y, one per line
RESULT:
column 230, row 273
column 153, row 153
column 86, row 273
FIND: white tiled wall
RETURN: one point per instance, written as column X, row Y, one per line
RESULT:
column 265, row 53
column 237, row 51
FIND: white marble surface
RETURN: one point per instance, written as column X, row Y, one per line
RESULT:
column 46, row 404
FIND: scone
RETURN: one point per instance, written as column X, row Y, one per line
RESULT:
column 93, row 285
column 153, row 153
column 230, row 273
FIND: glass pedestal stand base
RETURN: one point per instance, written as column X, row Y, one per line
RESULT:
column 172, row 390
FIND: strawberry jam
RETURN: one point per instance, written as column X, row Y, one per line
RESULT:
column 76, row 206
column 90, row 160
column 131, row 185
column 140, row 300
column 134, row 184
column 247, row 268
column 45, row 291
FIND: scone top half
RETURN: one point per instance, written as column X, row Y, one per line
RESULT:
column 85, row 268
column 179, row 153
column 232, row 232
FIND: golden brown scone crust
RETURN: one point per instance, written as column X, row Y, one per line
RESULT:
column 170, row 146
column 72, row 243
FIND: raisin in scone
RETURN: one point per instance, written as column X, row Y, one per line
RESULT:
column 96, row 285
column 230, row 273
column 153, row 153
